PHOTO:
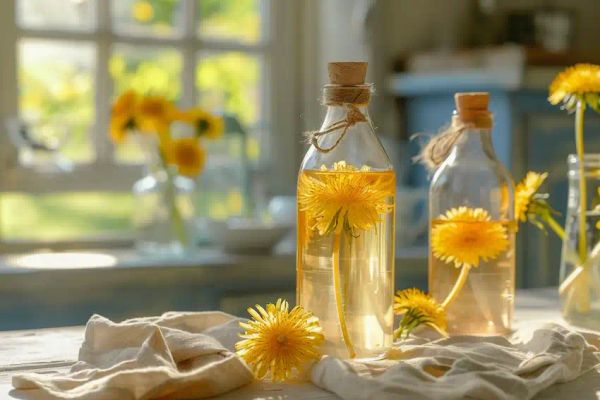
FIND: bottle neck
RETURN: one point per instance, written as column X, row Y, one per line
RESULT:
column 474, row 143
column 339, row 112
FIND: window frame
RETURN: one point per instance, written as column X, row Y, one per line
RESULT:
column 277, row 51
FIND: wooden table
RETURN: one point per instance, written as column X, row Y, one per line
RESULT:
column 48, row 350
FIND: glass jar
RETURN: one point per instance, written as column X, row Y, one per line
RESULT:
column 472, row 228
column 345, row 248
column 579, row 288
column 163, row 213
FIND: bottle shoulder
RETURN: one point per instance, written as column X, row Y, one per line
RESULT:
column 359, row 146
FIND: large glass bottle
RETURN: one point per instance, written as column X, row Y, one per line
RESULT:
column 472, row 228
column 346, row 200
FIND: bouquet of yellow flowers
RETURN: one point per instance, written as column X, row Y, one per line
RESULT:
column 153, row 115
column 151, row 118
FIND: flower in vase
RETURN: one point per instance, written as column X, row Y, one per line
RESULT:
column 154, row 113
column 418, row 308
column 525, row 191
column 579, row 82
column 204, row 123
column 278, row 341
column 466, row 236
column 123, row 115
column 344, row 198
column 187, row 154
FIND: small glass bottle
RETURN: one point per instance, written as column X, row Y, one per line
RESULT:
column 472, row 228
column 346, row 201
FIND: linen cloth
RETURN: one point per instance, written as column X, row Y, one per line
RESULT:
column 465, row 367
column 175, row 356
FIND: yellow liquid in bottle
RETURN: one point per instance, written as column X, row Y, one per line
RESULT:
column 484, row 305
column 366, row 265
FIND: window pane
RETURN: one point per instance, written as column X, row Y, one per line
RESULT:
column 56, row 87
column 64, row 216
column 236, row 20
column 232, row 82
column 57, row 14
column 147, row 70
column 148, row 17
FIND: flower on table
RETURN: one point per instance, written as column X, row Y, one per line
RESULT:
column 278, row 341
column 466, row 236
column 204, row 123
column 418, row 308
column 344, row 198
column 579, row 82
column 187, row 154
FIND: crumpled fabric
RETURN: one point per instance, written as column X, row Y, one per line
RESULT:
column 177, row 355
column 464, row 367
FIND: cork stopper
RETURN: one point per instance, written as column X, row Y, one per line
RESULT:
column 472, row 108
column 347, row 73
column 347, row 83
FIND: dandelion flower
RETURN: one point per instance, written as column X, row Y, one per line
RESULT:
column 525, row 191
column 142, row 11
column 187, row 154
column 204, row 123
column 466, row 236
column 278, row 341
column 345, row 198
column 579, row 82
column 418, row 308
column 123, row 115
column 154, row 113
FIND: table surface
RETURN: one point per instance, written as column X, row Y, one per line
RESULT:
column 55, row 349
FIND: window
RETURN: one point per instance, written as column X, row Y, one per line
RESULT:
column 74, row 56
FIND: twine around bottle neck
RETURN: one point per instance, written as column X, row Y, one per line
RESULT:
column 349, row 97
column 439, row 147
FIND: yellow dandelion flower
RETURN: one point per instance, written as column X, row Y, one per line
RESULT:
column 279, row 341
column 123, row 115
column 187, row 154
column 204, row 123
column 525, row 191
column 344, row 198
column 154, row 113
column 142, row 11
column 466, row 236
column 417, row 308
column 579, row 82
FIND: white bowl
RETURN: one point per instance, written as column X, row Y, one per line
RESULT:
column 240, row 235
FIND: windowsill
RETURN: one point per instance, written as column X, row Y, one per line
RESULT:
column 408, row 260
column 134, row 286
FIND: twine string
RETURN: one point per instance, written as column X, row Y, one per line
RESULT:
column 353, row 116
column 439, row 147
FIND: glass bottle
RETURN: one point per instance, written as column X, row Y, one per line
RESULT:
column 472, row 228
column 346, row 201
column 163, row 216
column 580, row 281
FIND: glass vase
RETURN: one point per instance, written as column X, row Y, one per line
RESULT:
column 164, row 213
column 579, row 289
column 345, row 248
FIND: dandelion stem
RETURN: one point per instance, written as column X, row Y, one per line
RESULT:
column 337, row 287
column 555, row 226
column 582, row 186
column 458, row 285
column 583, row 297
